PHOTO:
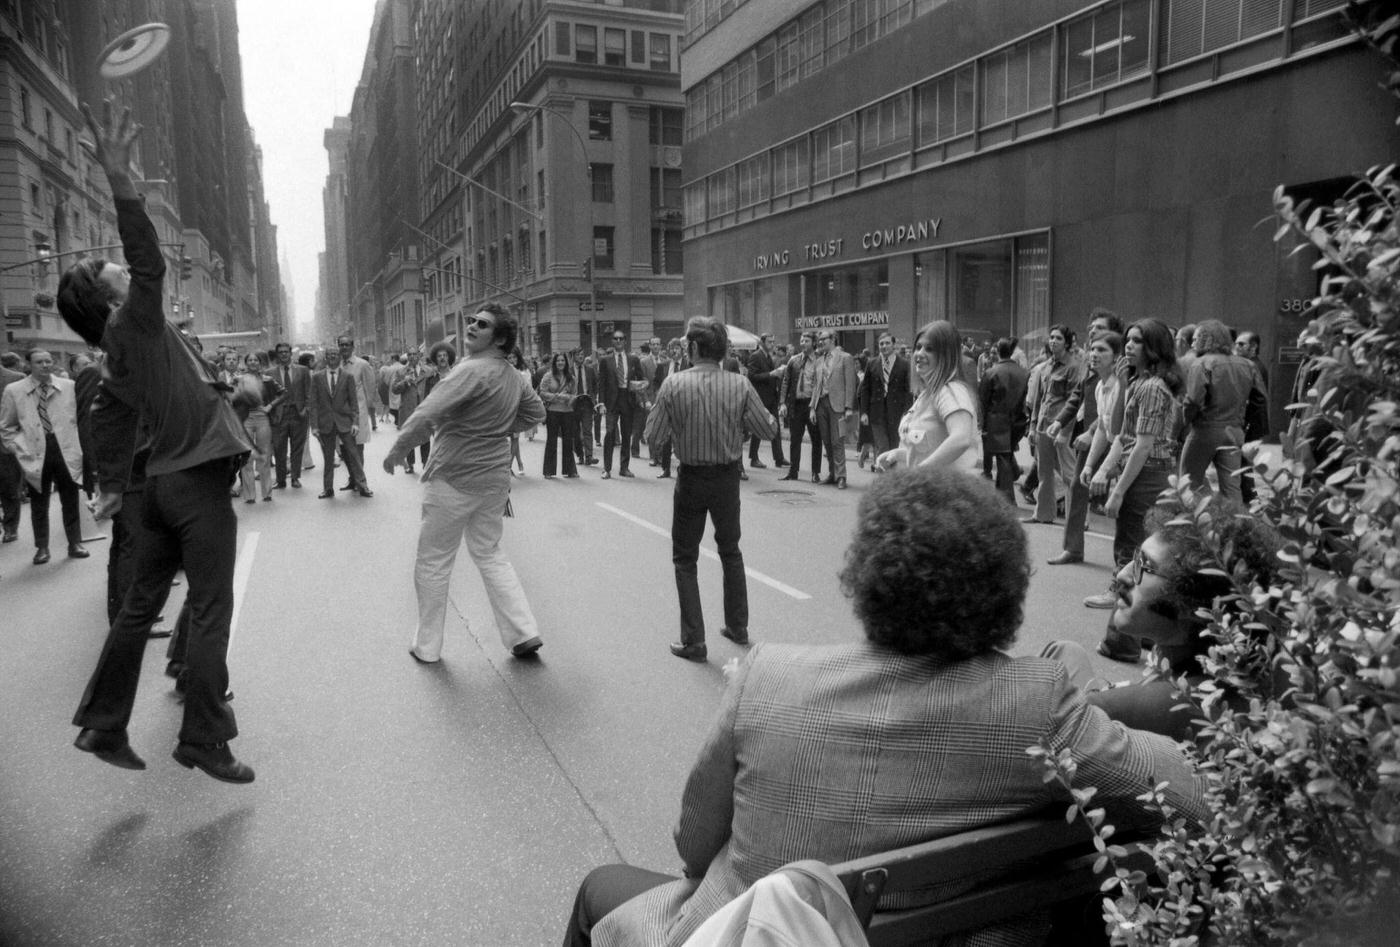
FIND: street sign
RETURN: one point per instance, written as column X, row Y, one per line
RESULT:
column 585, row 306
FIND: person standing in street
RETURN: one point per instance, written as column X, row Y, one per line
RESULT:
column 706, row 414
column 765, row 378
column 471, row 415
column 619, row 378
column 795, row 406
column 336, row 414
column 367, row 391
column 291, row 417
column 197, row 446
column 39, row 426
column 11, row 476
column 834, row 393
column 885, row 395
column 1002, row 395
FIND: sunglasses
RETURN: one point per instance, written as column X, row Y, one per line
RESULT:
column 619, row 338
column 1141, row 566
column 475, row 323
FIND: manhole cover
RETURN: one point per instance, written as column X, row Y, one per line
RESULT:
column 785, row 493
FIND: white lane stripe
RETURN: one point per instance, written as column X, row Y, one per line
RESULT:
column 754, row 574
column 242, row 570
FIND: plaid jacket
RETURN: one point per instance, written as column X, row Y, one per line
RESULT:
column 836, row 752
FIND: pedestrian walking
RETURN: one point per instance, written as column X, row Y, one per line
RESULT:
column 706, row 413
column 472, row 413
column 557, row 390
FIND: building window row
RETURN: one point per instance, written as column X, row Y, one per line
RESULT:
column 1094, row 51
column 1105, row 46
column 638, row 49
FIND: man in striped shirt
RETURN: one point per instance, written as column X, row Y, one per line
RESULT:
column 706, row 414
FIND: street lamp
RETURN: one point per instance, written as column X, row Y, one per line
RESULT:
column 587, row 190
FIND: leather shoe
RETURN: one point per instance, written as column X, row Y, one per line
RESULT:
column 326, row 495
column 830, row 480
column 816, row 478
column 664, row 475
column 691, row 652
column 296, row 484
column 215, row 759
column 757, row 464
column 366, row 492
column 791, row 476
column 41, row 555
column 76, row 551
column 607, row 475
column 1066, row 558
column 527, row 648
column 1125, row 657
column 840, row 483
column 348, row 486
column 1032, row 519
column 109, row 746
column 159, row 631
column 10, row 536
column 626, row 473
column 736, row 635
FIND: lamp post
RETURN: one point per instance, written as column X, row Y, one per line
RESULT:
column 587, row 190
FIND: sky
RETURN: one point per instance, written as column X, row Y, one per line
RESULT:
column 301, row 61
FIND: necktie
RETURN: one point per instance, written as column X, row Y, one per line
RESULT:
column 334, row 376
column 286, row 377
column 621, row 371
column 44, row 409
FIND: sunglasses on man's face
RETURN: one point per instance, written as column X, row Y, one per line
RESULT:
column 476, row 323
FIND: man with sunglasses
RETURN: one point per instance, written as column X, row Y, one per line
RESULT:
column 470, row 415
column 619, row 376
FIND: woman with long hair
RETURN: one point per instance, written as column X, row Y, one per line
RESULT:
column 557, row 391
column 940, row 428
column 1142, row 458
column 255, row 395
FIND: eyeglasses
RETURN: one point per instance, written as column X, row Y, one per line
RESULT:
column 474, row 322
column 1141, row 566
column 619, row 338
column 824, row 338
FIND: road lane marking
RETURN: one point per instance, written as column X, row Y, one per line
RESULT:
column 242, row 570
column 754, row 574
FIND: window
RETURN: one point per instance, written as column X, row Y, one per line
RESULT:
column 665, row 125
column 753, row 180
column 789, row 56
column 25, row 117
column 541, row 251
column 695, row 202
column 764, row 78
column 1016, row 80
column 1194, row 27
column 539, row 188
column 660, row 52
column 884, row 129
column 834, row 150
column 812, row 46
column 748, row 67
column 665, row 250
column 666, row 190
column 714, row 105
column 639, row 47
column 731, row 90
column 998, row 288
column 695, row 112
column 1106, row 48
column 946, row 106
column 601, row 175
column 790, row 167
column 720, row 198
column 600, row 121
column 561, row 39
column 603, row 248
column 614, row 47
column 838, row 30
column 585, row 43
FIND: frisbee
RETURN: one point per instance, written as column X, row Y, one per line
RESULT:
column 133, row 51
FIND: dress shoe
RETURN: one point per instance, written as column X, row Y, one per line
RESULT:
column 1066, row 558
column 591, row 462
column 788, row 476
column 816, row 478
column 109, row 746
column 779, row 463
column 279, row 485
column 348, row 486
column 250, row 500
column 159, row 631
column 296, row 484
column 757, row 464
column 527, row 648
column 572, row 476
column 10, row 536
column 736, row 635
column 1125, row 657
column 366, row 492
column 174, row 668
column 1032, row 519
column 267, row 499
column 326, row 495
column 41, row 555
column 419, row 658
column 626, row 473
column 840, row 483
column 1102, row 600
column 664, row 475
column 743, row 475
column 607, row 475
column 830, row 480
column 76, row 551
column 691, row 652
column 215, row 759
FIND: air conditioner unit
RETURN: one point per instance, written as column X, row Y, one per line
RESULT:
column 671, row 157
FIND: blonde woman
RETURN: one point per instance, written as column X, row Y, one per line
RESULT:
column 940, row 428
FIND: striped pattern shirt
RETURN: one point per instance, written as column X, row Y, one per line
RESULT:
column 707, row 414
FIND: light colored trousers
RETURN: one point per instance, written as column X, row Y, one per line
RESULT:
column 449, row 516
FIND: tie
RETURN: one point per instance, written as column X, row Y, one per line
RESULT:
column 334, row 376
column 286, row 377
column 621, row 370
column 44, row 409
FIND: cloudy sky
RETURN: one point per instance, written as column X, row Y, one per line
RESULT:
column 301, row 60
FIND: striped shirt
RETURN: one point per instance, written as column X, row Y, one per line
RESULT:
column 707, row 414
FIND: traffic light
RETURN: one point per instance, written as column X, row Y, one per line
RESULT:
column 186, row 264
column 588, row 269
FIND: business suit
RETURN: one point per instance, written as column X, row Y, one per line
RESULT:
column 1002, row 393
column 765, row 380
column 621, row 406
column 335, row 413
column 884, row 400
column 584, row 403
column 834, row 401
column 49, row 460
column 290, row 420
column 842, row 751
column 798, row 406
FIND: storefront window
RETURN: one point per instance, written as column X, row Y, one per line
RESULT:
column 997, row 288
column 853, row 301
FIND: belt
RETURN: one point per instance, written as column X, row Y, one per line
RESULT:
column 1160, row 463
column 704, row 468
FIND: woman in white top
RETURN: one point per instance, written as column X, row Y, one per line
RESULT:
column 940, row 429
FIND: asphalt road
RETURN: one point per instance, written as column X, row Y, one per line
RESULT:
column 395, row 803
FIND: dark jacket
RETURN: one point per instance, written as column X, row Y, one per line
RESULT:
column 1002, row 393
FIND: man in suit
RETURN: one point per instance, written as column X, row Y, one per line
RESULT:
column 1002, row 392
column 834, row 391
column 39, row 426
column 11, row 476
column 765, row 379
column 336, row 411
column 586, row 371
column 673, row 363
column 915, row 732
column 619, row 377
column 795, row 407
column 366, row 390
column 884, row 394
column 290, row 416
column 648, row 360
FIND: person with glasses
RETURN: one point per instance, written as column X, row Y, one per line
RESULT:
column 1171, row 577
column 619, row 378
column 471, row 414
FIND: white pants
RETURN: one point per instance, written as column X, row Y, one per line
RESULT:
column 449, row 516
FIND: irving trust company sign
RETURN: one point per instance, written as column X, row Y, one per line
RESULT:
column 837, row 248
